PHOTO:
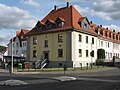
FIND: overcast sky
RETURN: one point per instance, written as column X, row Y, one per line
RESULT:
column 24, row 14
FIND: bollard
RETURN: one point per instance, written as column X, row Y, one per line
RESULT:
column 65, row 68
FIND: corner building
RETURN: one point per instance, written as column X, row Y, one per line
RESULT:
column 63, row 37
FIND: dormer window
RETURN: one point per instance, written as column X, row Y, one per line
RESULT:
column 39, row 27
column 60, row 22
column 48, row 26
column 84, row 23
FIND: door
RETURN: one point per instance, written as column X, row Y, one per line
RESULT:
column 46, row 56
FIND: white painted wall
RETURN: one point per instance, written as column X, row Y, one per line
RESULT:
column 76, row 45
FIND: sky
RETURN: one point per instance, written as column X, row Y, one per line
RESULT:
column 24, row 14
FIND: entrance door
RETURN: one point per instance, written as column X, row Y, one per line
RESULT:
column 46, row 55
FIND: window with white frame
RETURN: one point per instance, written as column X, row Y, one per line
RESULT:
column 87, row 53
column 34, row 40
column 80, row 38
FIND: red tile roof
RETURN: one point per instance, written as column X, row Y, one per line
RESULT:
column 71, row 17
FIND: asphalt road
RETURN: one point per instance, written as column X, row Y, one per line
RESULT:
column 102, row 79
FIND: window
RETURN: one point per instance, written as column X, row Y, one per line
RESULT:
column 46, row 43
column 85, row 25
column 92, row 40
column 80, row 52
column 110, row 35
column 39, row 27
column 108, row 45
column 59, row 24
column 60, row 52
column 24, row 44
column 111, row 55
column 60, row 38
column 34, row 40
column 80, row 38
column 86, row 39
column 86, row 53
column 49, row 25
column 101, row 43
column 34, row 53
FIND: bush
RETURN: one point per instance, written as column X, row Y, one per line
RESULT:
column 100, row 62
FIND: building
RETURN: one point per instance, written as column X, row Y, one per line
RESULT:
column 63, row 37
column 19, row 45
column 107, row 40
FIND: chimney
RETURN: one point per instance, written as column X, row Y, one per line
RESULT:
column 90, row 22
column 55, row 8
column 100, row 25
column 113, row 30
column 107, row 28
column 68, row 4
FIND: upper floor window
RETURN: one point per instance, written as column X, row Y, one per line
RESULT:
column 60, row 38
column 86, row 39
column 34, row 40
column 60, row 52
column 24, row 44
column 108, row 45
column 80, row 38
column 46, row 43
column 101, row 43
column 92, row 40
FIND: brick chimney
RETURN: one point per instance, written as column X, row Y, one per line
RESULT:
column 68, row 4
column 90, row 22
column 55, row 8
column 100, row 25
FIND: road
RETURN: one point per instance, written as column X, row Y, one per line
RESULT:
column 101, row 79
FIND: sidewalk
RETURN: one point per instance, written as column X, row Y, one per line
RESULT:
column 61, row 72
column 4, row 70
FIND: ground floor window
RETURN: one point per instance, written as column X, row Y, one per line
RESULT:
column 34, row 53
column 86, row 53
column 60, row 52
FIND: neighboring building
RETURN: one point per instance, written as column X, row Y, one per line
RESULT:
column 63, row 37
column 109, row 41
column 19, row 44
column 2, row 54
